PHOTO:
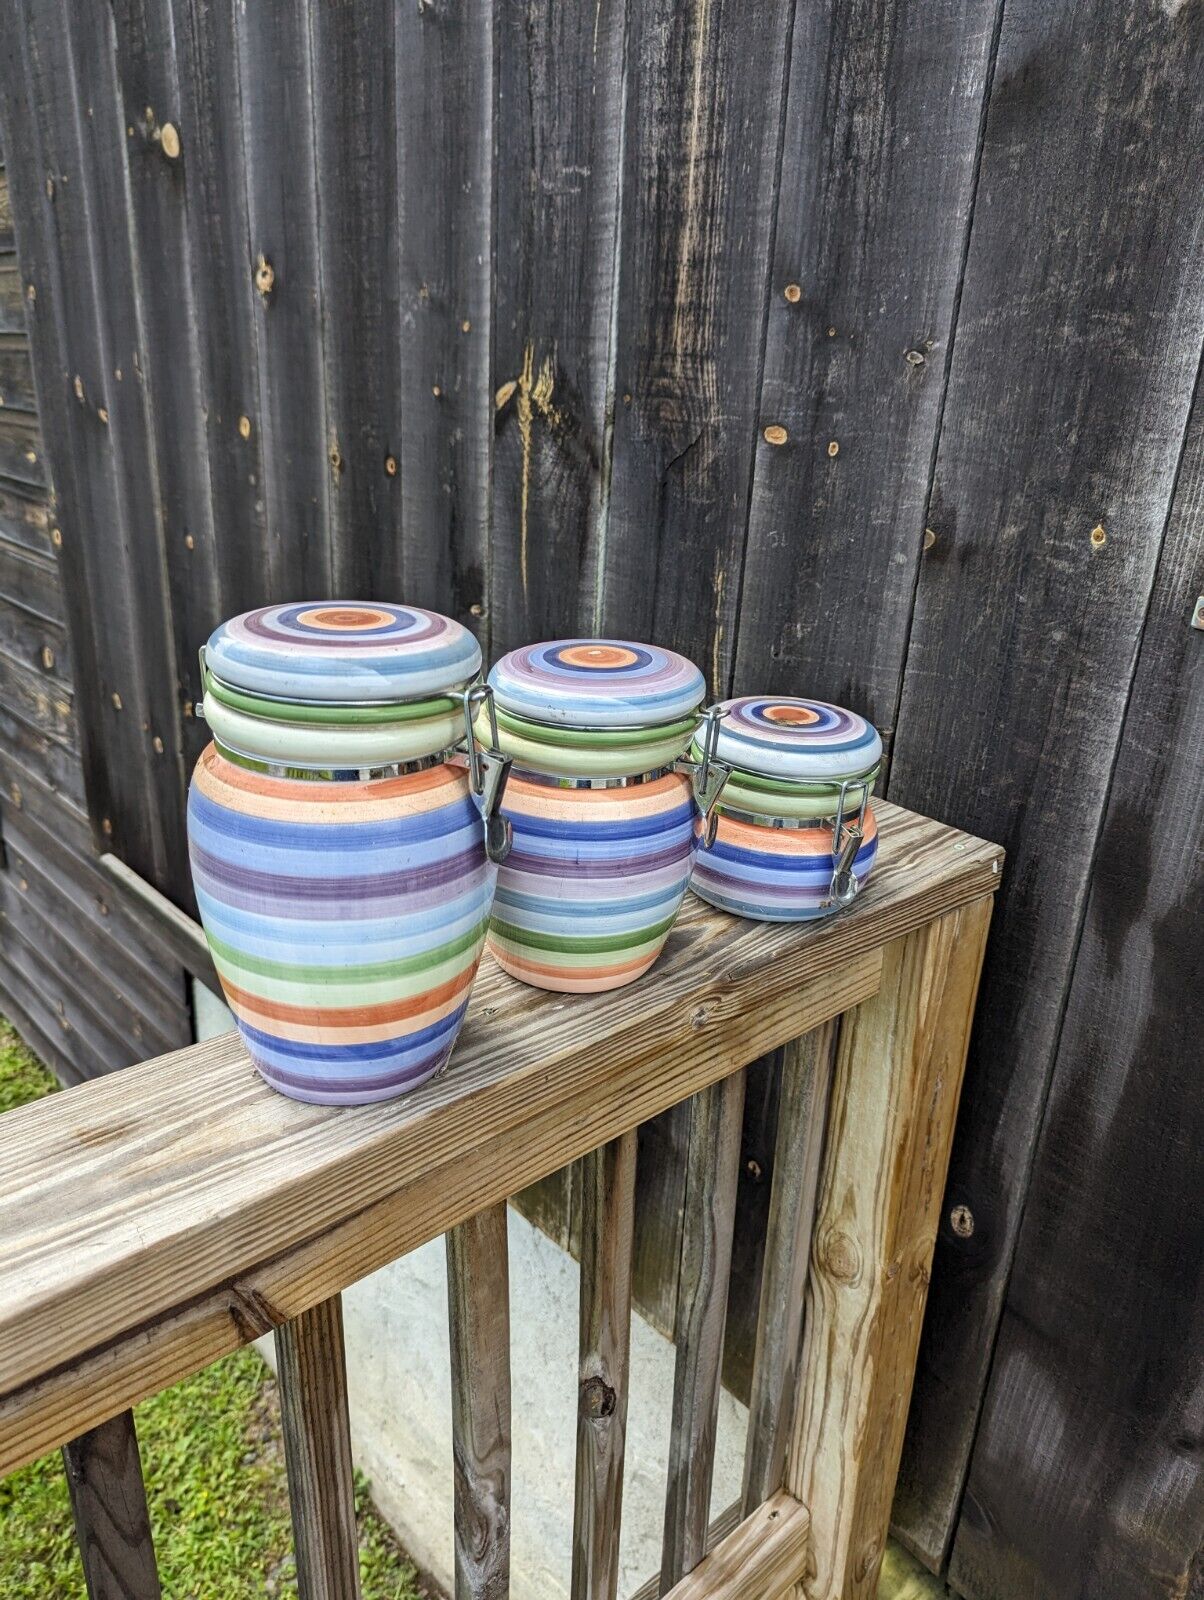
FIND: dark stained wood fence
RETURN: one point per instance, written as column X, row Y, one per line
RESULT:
column 849, row 347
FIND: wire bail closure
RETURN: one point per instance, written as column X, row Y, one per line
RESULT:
column 709, row 776
column 488, row 770
column 846, row 842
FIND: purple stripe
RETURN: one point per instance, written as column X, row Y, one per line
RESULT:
column 630, row 867
column 310, row 888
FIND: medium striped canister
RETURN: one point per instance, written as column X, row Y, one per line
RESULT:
column 603, row 826
column 796, row 836
column 337, row 850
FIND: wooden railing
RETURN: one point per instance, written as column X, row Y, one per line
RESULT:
column 160, row 1218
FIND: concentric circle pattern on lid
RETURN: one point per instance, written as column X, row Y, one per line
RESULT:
column 597, row 683
column 343, row 650
column 807, row 740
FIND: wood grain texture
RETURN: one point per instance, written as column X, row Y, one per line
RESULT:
column 108, row 1503
column 878, row 163
column 478, row 1299
column 890, row 1123
column 705, row 94
column 179, row 933
column 1086, row 1474
column 1077, row 347
column 716, row 1120
column 354, row 70
column 757, row 1561
column 168, row 364
column 444, row 56
column 156, row 1261
column 299, row 457
column 311, row 1370
column 607, row 1222
column 802, row 1118
column 561, row 94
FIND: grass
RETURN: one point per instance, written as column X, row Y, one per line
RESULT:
column 213, row 1462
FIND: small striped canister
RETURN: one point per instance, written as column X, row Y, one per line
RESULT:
column 795, row 834
column 603, row 825
column 337, row 851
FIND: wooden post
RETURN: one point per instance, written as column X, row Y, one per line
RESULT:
column 317, row 1450
column 802, row 1115
column 108, row 1501
column 894, row 1099
column 478, row 1297
column 712, row 1170
column 608, row 1213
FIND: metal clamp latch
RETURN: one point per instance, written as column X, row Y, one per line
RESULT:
column 488, row 770
column 846, row 841
column 198, row 709
column 709, row 776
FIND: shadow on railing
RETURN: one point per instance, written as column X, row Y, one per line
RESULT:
column 160, row 1218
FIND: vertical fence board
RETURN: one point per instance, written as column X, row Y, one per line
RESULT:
column 878, row 162
column 299, row 459
column 478, row 1293
column 221, row 291
column 1085, row 1476
column 445, row 80
column 560, row 100
column 1079, row 332
column 894, row 1099
column 716, row 1119
column 312, row 1369
column 356, row 152
column 802, row 1115
column 157, row 167
column 608, row 1216
column 704, row 106
column 108, row 1502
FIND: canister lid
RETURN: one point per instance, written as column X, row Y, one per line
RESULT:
column 803, row 740
column 597, row 683
column 343, row 650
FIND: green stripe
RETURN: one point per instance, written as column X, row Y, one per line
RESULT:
column 795, row 786
column 579, row 944
column 590, row 738
column 375, row 972
column 327, row 715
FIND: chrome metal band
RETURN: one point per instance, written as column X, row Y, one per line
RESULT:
column 554, row 780
column 787, row 824
column 392, row 769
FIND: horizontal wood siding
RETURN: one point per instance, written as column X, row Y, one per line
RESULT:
column 80, row 977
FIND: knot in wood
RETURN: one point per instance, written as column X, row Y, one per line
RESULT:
column 596, row 1399
column 265, row 276
column 841, row 1257
column 961, row 1220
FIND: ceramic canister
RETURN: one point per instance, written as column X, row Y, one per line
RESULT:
column 337, row 850
column 795, row 835
column 603, row 827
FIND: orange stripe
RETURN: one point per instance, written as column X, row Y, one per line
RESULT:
column 815, row 841
column 250, row 782
column 352, row 1016
column 546, row 970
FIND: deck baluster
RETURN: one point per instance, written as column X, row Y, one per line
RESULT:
column 802, row 1115
column 712, row 1170
column 478, row 1296
column 108, row 1501
column 317, row 1450
column 608, row 1214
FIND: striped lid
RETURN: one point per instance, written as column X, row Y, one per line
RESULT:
column 326, row 651
column 804, row 740
column 597, row 683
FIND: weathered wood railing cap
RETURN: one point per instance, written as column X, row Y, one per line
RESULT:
column 155, row 1219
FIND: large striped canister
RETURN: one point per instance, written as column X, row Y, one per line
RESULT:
column 603, row 825
column 795, row 834
column 337, row 850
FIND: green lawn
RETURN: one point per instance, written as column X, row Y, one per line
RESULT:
column 214, row 1468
